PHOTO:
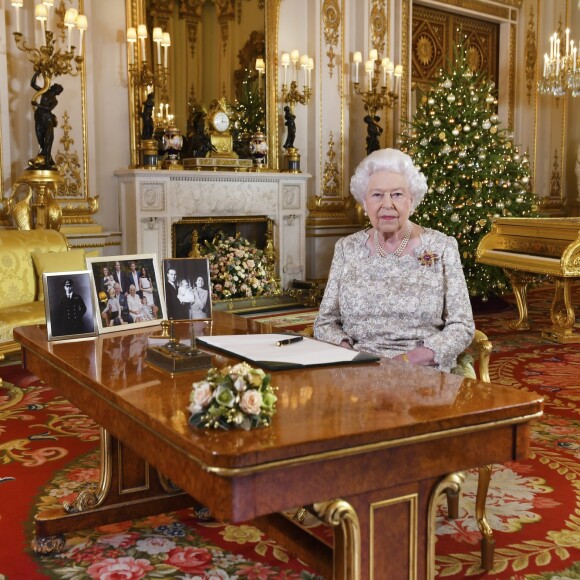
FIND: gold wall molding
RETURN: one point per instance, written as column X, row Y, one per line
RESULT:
column 531, row 52
column 332, row 18
column 67, row 162
column 512, row 77
column 378, row 25
column 330, row 176
column 406, row 18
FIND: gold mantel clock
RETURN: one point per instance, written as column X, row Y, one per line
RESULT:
column 219, row 130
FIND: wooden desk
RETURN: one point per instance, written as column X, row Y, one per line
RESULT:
column 369, row 444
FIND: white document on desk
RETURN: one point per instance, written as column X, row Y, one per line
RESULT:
column 262, row 348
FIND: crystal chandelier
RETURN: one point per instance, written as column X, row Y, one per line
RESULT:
column 561, row 67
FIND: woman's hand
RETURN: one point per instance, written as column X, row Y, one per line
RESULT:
column 421, row 356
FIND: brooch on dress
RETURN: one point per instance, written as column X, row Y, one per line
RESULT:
column 428, row 258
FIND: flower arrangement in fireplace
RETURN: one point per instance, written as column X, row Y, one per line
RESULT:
column 237, row 268
column 239, row 396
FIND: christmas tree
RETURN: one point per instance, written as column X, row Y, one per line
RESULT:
column 250, row 113
column 474, row 171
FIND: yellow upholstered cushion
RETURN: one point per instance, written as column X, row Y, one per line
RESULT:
column 23, row 315
column 46, row 262
column 17, row 276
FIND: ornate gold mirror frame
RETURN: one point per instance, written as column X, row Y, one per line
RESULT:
column 135, row 10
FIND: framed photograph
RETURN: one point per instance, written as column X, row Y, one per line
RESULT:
column 69, row 305
column 187, row 288
column 128, row 291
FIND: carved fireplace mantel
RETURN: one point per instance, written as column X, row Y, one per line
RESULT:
column 151, row 201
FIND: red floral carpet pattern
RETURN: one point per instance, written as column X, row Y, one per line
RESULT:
column 48, row 452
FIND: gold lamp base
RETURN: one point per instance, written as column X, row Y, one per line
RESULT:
column 38, row 208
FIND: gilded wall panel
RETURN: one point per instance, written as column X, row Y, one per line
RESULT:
column 436, row 33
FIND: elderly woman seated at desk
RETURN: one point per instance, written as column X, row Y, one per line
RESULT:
column 396, row 289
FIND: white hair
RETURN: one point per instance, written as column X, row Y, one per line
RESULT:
column 394, row 161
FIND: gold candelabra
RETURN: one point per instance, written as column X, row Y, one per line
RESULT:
column 37, row 207
column 146, row 75
column 291, row 96
column 375, row 99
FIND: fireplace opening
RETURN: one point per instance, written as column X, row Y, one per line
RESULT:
column 253, row 228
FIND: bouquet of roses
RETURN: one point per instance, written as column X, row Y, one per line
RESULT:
column 237, row 268
column 238, row 396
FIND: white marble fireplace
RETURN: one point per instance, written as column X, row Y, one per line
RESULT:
column 151, row 201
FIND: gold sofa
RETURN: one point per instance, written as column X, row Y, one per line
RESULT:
column 20, row 300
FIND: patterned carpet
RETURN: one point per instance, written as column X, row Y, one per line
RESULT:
column 48, row 451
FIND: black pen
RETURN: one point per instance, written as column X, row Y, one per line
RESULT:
column 289, row 340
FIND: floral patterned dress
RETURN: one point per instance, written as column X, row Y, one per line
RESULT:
column 390, row 305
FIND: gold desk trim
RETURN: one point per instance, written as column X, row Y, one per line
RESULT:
column 315, row 457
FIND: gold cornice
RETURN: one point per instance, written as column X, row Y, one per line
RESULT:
column 483, row 7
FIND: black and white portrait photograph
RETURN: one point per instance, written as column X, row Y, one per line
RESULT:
column 187, row 288
column 127, row 291
column 70, row 312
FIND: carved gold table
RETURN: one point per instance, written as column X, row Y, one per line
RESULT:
column 370, row 446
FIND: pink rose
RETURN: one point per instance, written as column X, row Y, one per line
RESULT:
column 190, row 560
column 251, row 402
column 84, row 475
column 126, row 568
column 200, row 397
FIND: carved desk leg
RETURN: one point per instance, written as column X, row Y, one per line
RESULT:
column 519, row 282
column 562, row 314
column 487, row 539
column 347, row 538
column 128, row 488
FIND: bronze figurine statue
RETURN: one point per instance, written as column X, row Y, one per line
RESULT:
column 147, row 117
column 290, row 122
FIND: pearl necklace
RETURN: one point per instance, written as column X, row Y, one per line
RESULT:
column 383, row 253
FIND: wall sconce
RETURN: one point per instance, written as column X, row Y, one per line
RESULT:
column 291, row 97
column 374, row 98
column 144, row 79
column 38, row 208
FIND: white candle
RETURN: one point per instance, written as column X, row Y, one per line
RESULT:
column 165, row 43
column 40, row 14
column 294, row 57
column 82, row 25
column 369, row 68
column 157, row 38
column 142, row 35
column 17, row 5
column 357, row 59
column 49, row 4
column 304, row 67
column 398, row 75
column 131, row 40
column 310, row 69
column 285, row 62
column 70, row 17
column 384, row 64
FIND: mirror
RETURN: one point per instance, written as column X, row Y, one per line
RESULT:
column 214, row 46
